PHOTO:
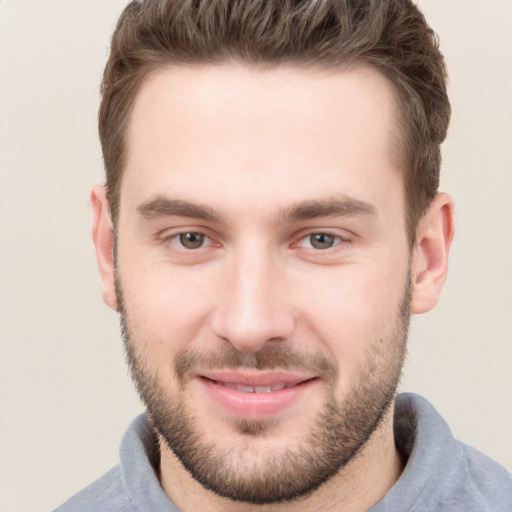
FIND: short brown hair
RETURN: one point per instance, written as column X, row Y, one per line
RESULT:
column 391, row 35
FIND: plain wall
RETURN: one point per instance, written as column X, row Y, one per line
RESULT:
column 65, row 397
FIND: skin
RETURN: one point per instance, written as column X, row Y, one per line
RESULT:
column 249, row 146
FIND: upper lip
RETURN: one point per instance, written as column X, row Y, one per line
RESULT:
column 256, row 378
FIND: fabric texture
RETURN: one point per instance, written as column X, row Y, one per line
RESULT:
column 441, row 474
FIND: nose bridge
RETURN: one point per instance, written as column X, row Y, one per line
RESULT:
column 252, row 309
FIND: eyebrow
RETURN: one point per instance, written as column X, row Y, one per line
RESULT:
column 331, row 206
column 165, row 207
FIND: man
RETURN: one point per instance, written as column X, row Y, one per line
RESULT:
column 270, row 220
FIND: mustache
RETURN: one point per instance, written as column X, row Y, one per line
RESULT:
column 271, row 357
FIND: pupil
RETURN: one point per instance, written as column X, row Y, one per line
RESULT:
column 191, row 240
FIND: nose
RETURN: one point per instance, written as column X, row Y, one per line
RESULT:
column 253, row 307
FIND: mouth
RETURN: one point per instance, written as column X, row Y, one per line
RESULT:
column 255, row 395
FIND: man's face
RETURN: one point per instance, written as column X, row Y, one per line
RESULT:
column 263, row 270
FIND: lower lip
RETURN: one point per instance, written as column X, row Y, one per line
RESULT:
column 255, row 405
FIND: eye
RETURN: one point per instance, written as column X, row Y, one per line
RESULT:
column 191, row 240
column 320, row 241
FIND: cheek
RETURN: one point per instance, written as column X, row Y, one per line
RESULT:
column 166, row 310
column 354, row 308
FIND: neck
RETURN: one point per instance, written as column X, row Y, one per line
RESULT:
column 358, row 486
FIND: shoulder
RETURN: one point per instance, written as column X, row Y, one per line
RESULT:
column 131, row 486
column 486, row 485
column 442, row 473
column 105, row 494
column 470, row 482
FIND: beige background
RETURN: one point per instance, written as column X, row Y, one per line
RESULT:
column 65, row 398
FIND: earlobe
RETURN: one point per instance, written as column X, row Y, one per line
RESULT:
column 103, row 238
column 434, row 236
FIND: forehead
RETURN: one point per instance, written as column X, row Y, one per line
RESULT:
column 280, row 128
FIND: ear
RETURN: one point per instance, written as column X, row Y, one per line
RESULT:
column 103, row 238
column 434, row 236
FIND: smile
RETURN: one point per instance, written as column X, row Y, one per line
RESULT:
column 255, row 395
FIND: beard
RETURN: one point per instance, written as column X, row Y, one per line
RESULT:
column 340, row 431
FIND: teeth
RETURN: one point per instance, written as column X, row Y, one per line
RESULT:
column 262, row 389
column 245, row 389
column 254, row 389
column 238, row 387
